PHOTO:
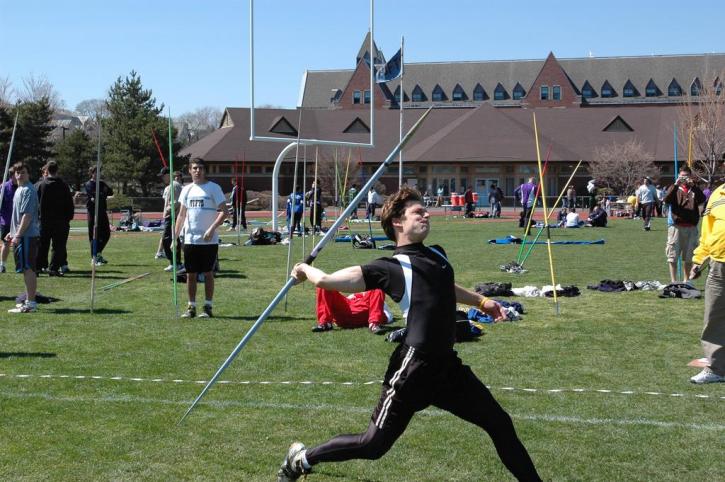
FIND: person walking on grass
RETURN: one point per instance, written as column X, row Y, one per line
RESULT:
column 646, row 199
column 202, row 210
column 424, row 369
column 712, row 247
column 103, row 231
column 24, row 236
column 6, row 214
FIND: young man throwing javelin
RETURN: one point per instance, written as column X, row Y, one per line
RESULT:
column 202, row 210
column 424, row 370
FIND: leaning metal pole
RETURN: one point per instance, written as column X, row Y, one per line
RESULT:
column 10, row 155
column 313, row 255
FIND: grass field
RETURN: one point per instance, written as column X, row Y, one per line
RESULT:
column 600, row 392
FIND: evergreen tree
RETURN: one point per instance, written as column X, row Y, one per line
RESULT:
column 75, row 155
column 130, row 156
column 32, row 143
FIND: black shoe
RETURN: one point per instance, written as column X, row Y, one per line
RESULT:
column 323, row 327
column 206, row 312
column 190, row 312
column 53, row 272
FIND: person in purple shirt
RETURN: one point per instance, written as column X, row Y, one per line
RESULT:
column 528, row 193
column 6, row 211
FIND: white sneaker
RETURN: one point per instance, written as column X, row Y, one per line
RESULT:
column 707, row 376
column 159, row 255
column 169, row 268
column 24, row 308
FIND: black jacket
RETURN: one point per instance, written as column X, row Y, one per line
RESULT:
column 56, row 201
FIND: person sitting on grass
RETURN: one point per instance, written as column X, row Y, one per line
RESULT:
column 354, row 311
column 572, row 219
column 597, row 218
column 424, row 369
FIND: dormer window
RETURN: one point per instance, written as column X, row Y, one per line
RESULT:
column 651, row 90
column 438, row 94
column 367, row 96
column 674, row 89
column 500, row 93
column 518, row 92
column 629, row 90
column 588, row 90
column 695, row 87
column 478, row 93
column 356, row 97
column 418, row 95
column 458, row 93
column 608, row 90
column 544, row 91
column 718, row 86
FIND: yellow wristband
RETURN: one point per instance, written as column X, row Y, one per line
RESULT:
column 483, row 301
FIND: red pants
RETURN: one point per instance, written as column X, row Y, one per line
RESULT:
column 363, row 309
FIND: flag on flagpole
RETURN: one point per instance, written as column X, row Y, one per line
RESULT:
column 392, row 69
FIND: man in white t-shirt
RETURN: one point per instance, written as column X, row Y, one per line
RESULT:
column 202, row 210
column 572, row 219
column 646, row 198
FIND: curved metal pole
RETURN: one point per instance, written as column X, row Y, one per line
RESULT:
column 275, row 181
column 313, row 255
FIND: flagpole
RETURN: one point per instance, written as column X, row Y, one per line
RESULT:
column 400, row 135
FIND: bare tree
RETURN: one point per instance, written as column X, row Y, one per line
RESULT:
column 198, row 123
column 334, row 167
column 702, row 128
column 7, row 91
column 621, row 166
column 36, row 88
column 93, row 108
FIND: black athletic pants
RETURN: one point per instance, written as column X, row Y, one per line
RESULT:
column 413, row 383
column 57, row 233
column 104, row 231
column 525, row 214
column 166, row 242
column 242, row 215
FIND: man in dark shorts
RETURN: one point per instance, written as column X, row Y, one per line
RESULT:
column 202, row 210
column 24, row 236
column 424, row 370
column 103, row 230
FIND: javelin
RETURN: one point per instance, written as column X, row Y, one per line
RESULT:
column 158, row 148
column 313, row 255
column 546, row 219
column 293, row 204
column 10, row 155
column 172, row 201
column 541, row 229
column 127, row 280
column 94, row 241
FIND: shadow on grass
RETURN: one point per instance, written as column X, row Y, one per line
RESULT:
column 23, row 354
column 97, row 311
column 230, row 274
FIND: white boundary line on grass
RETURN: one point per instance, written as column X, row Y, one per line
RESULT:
column 431, row 412
column 549, row 391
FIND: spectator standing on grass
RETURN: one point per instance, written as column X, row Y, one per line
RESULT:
column 314, row 203
column 167, row 237
column 424, row 369
column 6, row 213
column 468, row 199
column 684, row 199
column 56, row 213
column 528, row 195
column 372, row 206
column 570, row 199
column 202, row 210
column 592, row 190
column 712, row 247
column 295, row 206
column 24, row 235
column 659, row 204
column 439, row 196
column 351, row 195
column 103, row 234
column 495, row 196
column 646, row 198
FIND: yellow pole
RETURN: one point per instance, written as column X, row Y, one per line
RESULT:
column 563, row 191
column 546, row 215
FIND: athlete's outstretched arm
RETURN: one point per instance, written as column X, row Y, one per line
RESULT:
column 484, row 304
column 348, row 280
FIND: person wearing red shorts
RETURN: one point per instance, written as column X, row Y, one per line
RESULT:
column 354, row 311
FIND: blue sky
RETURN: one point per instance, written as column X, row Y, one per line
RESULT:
column 196, row 53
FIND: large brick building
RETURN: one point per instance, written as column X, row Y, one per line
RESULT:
column 481, row 127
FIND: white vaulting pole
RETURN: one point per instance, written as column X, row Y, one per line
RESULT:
column 10, row 155
column 313, row 255
column 400, row 135
column 94, row 242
